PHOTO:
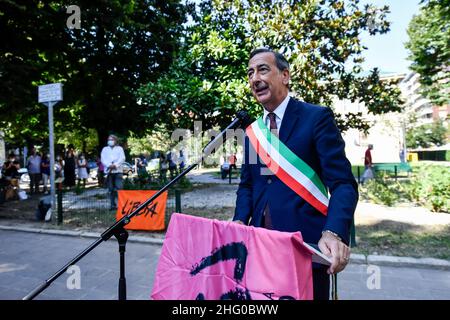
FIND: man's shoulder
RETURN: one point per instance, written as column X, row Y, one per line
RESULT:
column 308, row 107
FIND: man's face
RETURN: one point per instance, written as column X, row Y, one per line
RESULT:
column 268, row 83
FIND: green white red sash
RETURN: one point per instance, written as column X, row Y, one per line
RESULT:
column 287, row 166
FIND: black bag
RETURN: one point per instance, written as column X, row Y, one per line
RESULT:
column 43, row 207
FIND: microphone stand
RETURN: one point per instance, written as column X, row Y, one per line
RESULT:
column 118, row 230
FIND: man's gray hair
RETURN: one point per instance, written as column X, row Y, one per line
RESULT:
column 280, row 60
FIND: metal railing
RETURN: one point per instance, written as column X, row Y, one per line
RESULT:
column 90, row 207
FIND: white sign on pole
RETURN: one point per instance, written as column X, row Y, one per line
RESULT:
column 50, row 93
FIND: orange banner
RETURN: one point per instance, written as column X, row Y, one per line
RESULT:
column 150, row 218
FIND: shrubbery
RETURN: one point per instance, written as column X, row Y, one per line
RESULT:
column 429, row 186
column 153, row 181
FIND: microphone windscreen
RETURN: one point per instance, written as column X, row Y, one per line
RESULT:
column 246, row 120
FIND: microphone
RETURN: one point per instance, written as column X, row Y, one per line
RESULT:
column 242, row 120
column 246, row 120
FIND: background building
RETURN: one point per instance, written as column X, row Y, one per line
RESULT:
column 387, row 132
column 418, row 105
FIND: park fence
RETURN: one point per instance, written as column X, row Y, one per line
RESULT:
column 90, row 207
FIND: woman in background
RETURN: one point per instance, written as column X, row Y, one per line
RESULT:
column 69, row 168
column 45, row 170
column 82, row 170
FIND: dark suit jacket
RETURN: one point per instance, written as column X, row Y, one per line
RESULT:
column 311, row 133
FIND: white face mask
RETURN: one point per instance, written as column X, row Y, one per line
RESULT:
column 111, row 143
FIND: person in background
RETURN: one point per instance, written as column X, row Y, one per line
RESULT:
column 11, row 168
column 182, row 161
column 368, row 171
column 100, row 172
column 402, row 154
column 141, row 165
column 45, row 170
column 113, row 157
column 224, row 168
column 34, row 170
column 163, row 167
column 172, row 164
column 69, row 168
column 59, row 167
column 82, row 170
column 232, row 161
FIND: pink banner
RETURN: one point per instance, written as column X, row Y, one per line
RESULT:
column 207, row 259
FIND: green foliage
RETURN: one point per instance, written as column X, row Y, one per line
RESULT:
column 381, row 191
column 121, row 44
column 83, row 141
column 428, row 186
column 319, row 38
column 159, row 140
column 426, row 135
column 153, row 181
column 431, row 187
column 429, row 46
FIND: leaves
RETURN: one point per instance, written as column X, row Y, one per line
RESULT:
column 426, row 135
column 121, row 44
column 429, row 46
column 319, row 38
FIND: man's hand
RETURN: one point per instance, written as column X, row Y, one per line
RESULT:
column 239, row 221
column 333, row 247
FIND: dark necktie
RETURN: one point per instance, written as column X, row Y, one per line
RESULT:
column 274, row 129
column 273, row 123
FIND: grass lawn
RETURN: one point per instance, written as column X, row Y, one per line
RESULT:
column 403, row 239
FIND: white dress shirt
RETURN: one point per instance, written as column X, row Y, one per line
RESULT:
column 113, row 155
column 279, row 112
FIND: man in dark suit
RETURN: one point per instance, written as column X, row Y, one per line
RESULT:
column 310, row 132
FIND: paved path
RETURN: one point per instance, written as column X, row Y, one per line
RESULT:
column 26, row 259
column 215, row 196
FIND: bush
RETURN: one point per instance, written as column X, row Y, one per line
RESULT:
column 146, row 181
column 429, row 186
column 434, row 187
column 381, row 191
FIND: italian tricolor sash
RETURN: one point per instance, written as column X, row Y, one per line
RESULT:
column 287, row 166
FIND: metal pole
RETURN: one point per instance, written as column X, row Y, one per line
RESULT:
column 177, row 200
column 52, row 154
column 60, row 208
column 359, row 175
column 334, row 294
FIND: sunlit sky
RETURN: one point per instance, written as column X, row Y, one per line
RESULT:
column 387, row 51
